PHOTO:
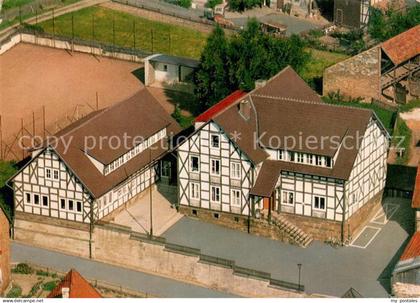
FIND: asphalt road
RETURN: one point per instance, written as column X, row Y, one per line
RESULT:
column 135, row 280
column 325, row 270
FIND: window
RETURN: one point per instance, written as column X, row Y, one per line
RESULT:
column 71, row 205
column 235, row 170
column 165, row 68
column 292, row 156
column 215, row 167
column 319, row 203
column 106, row 170
column 36, row 199
column 62, row 204
column 166, row 169
column 55, row 174
column 300, row 157
column 281, row 156
column 195, row 166
column 48, row 173
column 318, row 160
column 215, row 194
column 44, row 201
column 235, row 197
column 28, row 198
column 287, row 198
column 309, row 159
column 79, row 206
column 195, row 191
column 215, row 141
column 328, row 162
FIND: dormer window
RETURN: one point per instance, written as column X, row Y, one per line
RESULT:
column 328, row 162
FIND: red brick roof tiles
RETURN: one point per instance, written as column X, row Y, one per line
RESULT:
column 78, row 286
column 403, row 46
column 413, row 248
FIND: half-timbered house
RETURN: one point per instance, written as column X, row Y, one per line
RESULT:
column 280, row 152
column 96, row 164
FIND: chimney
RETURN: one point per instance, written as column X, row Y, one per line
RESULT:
column 65, row 292
column 260, row 83
column 245, row 109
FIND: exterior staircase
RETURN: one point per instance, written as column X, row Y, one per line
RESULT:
column 296, row 235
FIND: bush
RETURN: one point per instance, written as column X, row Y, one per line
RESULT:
column 409, row 106
column 401, row 140
column 23, row 268
column 213, row 3
column 242, row 5
column 49, row 286
column 15, row 292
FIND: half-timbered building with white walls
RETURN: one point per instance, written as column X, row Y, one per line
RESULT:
column 282, row 154
column 95, row 165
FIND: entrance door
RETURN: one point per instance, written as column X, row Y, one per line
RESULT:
column 266, row 203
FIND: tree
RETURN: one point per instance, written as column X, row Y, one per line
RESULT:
column 211, row 79
column 242, row 5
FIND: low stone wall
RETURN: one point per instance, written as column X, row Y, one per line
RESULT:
column 66, row 45
column 122, row 247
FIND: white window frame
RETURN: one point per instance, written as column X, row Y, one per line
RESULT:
column 318, row 160
column 39, row 199
column 235, row 197
column 287, row 193
column 42, row 201
column 281, row 155
column 309, row 159
column 48, row 173
column 325, row 203
column 219, row 194
column 56, row 174
column 191, row 164
column 299, row 158
column 235, row 170
column 195, row 191
column 28, row 201
column 218, row 141
column 213, row 172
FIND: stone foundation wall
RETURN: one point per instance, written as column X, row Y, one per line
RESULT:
column 120, row 246
column 362, row 216
column 4, row 253
column 358, row 76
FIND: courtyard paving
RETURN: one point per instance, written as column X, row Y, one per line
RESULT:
column 325, row 269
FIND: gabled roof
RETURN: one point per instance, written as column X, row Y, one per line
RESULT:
column 220, row 106
column 403, row 46
column 79, row 288
column 412, row 249
column 415, row 203
column 287, row 84
column 137, row 117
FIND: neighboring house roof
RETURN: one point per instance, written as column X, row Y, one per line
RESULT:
column 403, row 46
column 288, row 84
column 352, row 293
column 220, row 106
column 173, row 60
column 78, row 287
column 140, row 116
column 415, row 203
column 412, row 250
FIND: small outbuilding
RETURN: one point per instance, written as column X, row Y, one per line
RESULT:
column 165, row 70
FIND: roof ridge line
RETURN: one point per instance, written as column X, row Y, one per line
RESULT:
column 312, row 102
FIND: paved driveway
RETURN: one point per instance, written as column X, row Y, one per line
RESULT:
column 325, row 269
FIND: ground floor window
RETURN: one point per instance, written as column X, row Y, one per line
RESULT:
column 45, row 201
column 36, row 199
column 319, row 203
column 195, row 191
column 287, row 197
column 215, row 194
column 235, row 197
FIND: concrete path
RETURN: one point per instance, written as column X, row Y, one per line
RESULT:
column 135, row 280
column 325, row 270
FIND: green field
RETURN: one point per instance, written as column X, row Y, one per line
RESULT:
column 320, row 61
column 98, row 23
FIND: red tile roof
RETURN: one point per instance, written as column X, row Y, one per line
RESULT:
column 78, row 286
column 403, row 46
column 415, row 203
column 413, row 248
column 220, row 106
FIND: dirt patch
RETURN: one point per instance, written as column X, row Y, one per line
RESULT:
column 66, row 85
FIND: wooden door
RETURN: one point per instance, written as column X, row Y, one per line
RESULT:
column 266, row 203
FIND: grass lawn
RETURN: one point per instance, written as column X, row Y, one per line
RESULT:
column 149, row 35
column 7, row 4
column 314, row 69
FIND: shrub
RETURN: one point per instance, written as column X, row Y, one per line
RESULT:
column 49, row 286
column 23, row 268
column 213, row 3
column 15, row 292
column 401, row 140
